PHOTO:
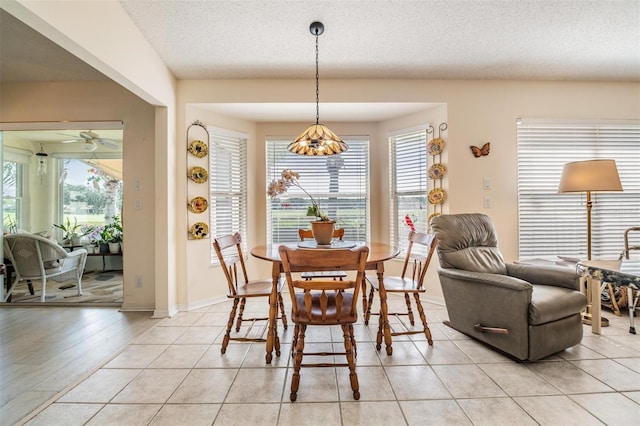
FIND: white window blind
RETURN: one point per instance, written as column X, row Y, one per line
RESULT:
column 408, row 158
column 340, row 184
column 227, row 185
column 15, row 186
column 551, row 223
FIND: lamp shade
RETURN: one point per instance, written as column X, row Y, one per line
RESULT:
column 317, row 140
column 590, row 175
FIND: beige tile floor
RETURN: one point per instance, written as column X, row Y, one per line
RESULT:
column 174, row 374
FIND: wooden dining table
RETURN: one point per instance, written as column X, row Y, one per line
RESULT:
column 378, row 254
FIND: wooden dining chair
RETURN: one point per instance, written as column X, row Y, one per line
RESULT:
column 323, row 302
column 307, row 234
column 409, row 282
column 229, row 251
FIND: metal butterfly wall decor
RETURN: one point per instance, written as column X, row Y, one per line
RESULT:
column 479, row 152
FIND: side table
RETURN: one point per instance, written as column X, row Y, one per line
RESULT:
column 619, row 273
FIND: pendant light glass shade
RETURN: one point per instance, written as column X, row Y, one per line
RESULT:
column 317, row 139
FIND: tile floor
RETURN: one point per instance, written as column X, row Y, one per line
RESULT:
column 175, row 375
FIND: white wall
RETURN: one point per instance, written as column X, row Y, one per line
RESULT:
column 475, row 112
column 102, row 34
column 76, row 102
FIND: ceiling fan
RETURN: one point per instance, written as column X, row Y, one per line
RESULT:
column 91, row 141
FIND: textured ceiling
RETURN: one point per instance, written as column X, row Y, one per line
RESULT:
column 488, row 39
column 472, row 39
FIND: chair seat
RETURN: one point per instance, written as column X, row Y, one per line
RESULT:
column 396, row 284
column 258, row 288
column 331, row 316
column 550, row 303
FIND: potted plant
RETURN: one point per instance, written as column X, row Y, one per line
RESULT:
column 112, row 235
column 72, row 233
column 95, row 239
column 323, row 225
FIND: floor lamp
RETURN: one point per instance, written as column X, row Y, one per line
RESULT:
column 590, row 176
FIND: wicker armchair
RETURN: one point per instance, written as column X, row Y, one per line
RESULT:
column 36, row 258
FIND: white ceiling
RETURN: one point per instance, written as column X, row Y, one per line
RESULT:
column 584, row 40
column 468, row 39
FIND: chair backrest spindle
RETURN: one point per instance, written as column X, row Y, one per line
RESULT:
column 300, row 260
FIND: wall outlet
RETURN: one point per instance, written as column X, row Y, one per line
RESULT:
column 138, row 203
column 138, row 281
column 487, row 202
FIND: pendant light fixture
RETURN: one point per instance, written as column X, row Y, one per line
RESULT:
column 42, row 161
column 317, row 139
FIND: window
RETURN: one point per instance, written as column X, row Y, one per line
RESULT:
column 91, row 190
column 408, row 174
column 556, row 224
column 227, row 185
column 340, row 184
column 14, row 185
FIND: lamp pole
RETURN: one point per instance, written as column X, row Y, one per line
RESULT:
column 589, row 205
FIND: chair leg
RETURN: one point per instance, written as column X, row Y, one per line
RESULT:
column 227, row 336
column 7, row 296
column 367, row 314
column 294, row 342
column 243, row 301
column 348, row 348
column 276, row 339
column 44, row 286
column 423, row 318
column 380, row 331
column 283, row 315
column 297, row 363
column 79, row 280
column 407, row 300
column 353, row 340
column 365, row 303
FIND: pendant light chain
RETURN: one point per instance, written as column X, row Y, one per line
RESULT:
column 317, row 139
column 317, row 84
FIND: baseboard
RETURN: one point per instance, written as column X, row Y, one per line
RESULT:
column 202, row 303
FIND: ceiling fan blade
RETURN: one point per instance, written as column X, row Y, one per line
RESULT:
column 89, row 135
column 109, row 143
column 73, row 141
column 67, row 134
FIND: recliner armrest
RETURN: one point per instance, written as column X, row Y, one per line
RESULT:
column 475, row 278
column 559, row 276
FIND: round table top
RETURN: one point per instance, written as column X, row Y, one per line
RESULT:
column 378, row 252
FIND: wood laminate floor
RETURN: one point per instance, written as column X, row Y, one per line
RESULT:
column 44, row 350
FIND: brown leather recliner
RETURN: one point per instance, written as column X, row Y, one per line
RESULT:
column 526, row 311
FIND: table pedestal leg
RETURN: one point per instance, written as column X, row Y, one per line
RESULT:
column 272, row 330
